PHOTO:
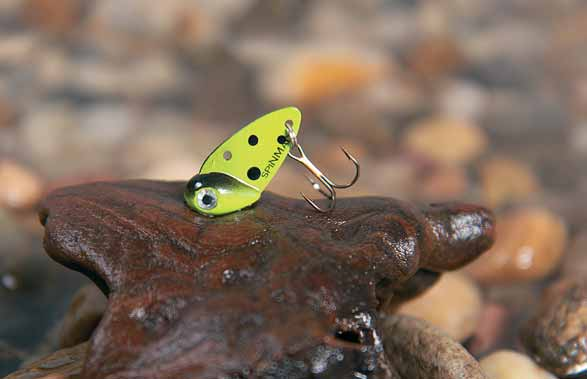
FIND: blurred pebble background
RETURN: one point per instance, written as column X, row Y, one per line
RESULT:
column 484, row 101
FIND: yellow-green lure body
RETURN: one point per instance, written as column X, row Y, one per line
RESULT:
column 236, row 173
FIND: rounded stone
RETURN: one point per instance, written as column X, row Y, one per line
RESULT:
column 506, row 364
column 506, row 180
column 529, row 245
column 449, row 141
column 556, row 335
column 452, row 305
column 20, row 188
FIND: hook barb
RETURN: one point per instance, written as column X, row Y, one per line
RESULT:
column 357, row 170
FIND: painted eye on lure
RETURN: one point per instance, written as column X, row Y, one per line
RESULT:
column 236, row 173
column 217, row 193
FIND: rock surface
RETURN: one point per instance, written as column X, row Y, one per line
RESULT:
column 418, row 350
column 557, row 334
column 402, row 334
column 63, row 364
column 274, row 290
column 529, row 246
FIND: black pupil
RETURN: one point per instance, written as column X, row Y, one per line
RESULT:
column 253, row 140
column 207, row 199
column 254, row 173
column 281, row 140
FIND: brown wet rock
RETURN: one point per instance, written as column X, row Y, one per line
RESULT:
column 62, row 364
column 275, row 290
column 556, row 336
column 418, row 350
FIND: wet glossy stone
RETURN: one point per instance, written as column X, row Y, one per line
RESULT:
column 556, row 336
column 530, row 244
column 277, row 289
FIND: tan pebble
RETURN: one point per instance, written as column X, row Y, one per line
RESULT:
column 505, row 180
column 20, row 188
column 311, row 76
column 453, row 305
column 505, row 364
column 529, row 245
column 17, row 49
column 446, row 183
column 448, row 141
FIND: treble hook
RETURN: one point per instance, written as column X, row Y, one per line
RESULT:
column 330, row 186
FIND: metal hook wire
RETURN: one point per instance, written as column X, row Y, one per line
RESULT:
column 330, row 186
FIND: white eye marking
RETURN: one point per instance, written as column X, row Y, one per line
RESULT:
column 198, row 185
column 207, row 199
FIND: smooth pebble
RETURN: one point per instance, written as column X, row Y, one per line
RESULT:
column 20, row 188
column 529, row 245
column 505, row 180
column 449, row 141
column 506, row 364
column 452, row 305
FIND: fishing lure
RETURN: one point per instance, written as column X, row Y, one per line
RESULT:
column 236, row 173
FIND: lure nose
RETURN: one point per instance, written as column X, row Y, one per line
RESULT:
column 217, row 193
column 460, row 233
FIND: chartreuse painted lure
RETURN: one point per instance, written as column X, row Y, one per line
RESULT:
column 238, row 171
